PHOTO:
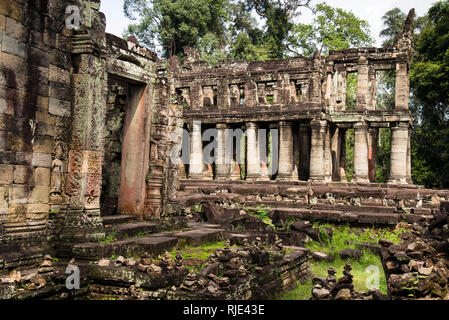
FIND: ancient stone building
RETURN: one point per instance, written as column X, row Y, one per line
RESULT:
column 90, row 125
column 305, row 99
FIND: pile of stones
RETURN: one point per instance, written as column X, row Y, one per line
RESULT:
column 228, row 267
column 418, row 268
column 330, row 288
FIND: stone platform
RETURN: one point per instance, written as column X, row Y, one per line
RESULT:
column 337, row 202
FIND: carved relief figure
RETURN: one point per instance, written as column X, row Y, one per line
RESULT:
column 56, row 171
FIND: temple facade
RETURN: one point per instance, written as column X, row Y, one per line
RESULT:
column 304, row 99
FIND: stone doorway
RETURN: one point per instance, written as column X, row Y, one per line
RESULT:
column 127, row 148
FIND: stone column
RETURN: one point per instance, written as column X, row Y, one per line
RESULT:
column 342, row 174
column 363, row 96
column 222, row 165
column 252, row 152
column 234, row 154
column 319, row 129
column 296, row 152
column 262, row 146
column 285, row 150
column 335, row 152
column 304, row 152
column 372, row 153
column 196, row 151
column 327, row 155
column 399, row 146
column 402, row 87
column 372, row 89
column 409, row 159
column 361, row 153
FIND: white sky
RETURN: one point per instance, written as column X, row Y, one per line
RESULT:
column 370, row 10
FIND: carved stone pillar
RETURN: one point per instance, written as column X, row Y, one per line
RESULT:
column 399, row 146
column 361, row 153
column 285, row 150
column 319, row 129
column 196, row 151
column 342, row 168
column 82, row 223
column 222, row 164
column 252, row 151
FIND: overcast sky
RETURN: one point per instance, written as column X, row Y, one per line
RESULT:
column 370, row 10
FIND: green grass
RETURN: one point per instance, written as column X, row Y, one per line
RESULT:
column 195, row 257
column 343, row 233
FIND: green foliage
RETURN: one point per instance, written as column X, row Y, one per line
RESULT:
column 430, row 84
column 383, row 155
column 113, row 257
column 351, row 91
column 112, row 237
column 262, row 213
column 141, row 234
column 176, row 24
column 332, row 29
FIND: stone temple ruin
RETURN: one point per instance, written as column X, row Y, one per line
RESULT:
column 90, row 124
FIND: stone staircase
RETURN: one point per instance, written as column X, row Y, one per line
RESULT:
column 126, row 236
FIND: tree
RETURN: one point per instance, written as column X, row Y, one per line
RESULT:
column 394, row 20
column 430, row 84
column 176, row 25
column 247, row 39
column 332, row 29
column 278, row 16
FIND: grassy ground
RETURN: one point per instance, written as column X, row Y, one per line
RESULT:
column 360, row 270
column 195, row 257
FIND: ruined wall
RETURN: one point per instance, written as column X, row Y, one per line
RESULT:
column 35, row 111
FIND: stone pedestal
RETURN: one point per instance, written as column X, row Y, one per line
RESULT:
column 361, row 153
column 399, row 147
column 319, row 129
column 252, row 152
column 285, row 151
column 196, row 151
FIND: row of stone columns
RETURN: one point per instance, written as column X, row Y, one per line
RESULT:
column 320, row 152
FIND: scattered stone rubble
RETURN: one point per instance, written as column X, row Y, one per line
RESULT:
column 418, row 268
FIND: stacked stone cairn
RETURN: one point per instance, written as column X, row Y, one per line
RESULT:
column 146, row 265
column 46, row 266
column 330, row 288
